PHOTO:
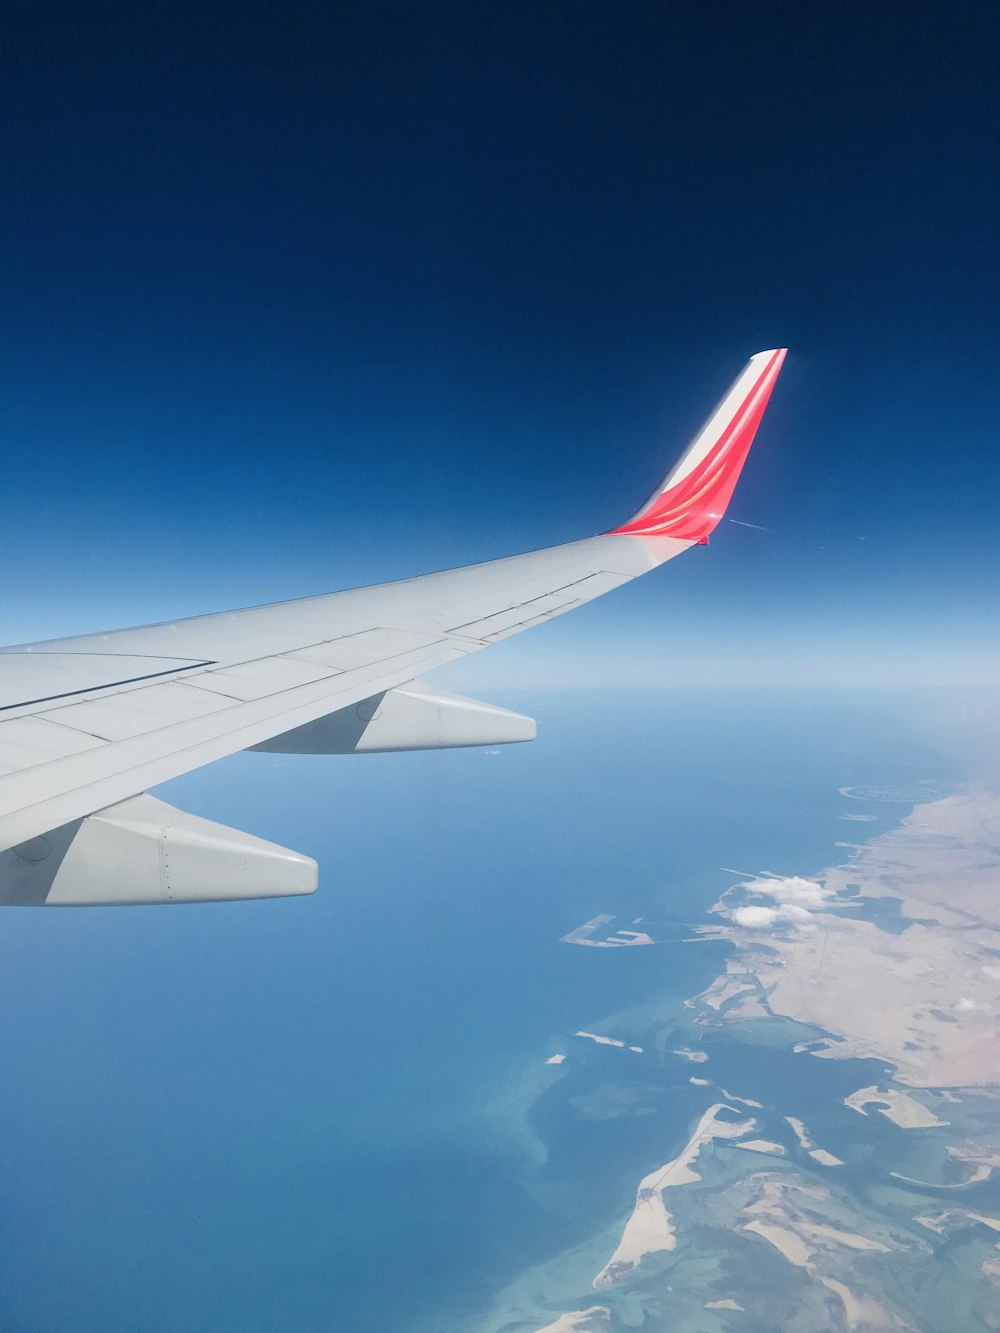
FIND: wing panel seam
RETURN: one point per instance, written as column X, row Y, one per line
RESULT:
column 107, row 685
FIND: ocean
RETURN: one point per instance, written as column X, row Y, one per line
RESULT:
column 335, row 1113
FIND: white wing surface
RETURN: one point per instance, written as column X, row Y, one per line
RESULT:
column 88, row 724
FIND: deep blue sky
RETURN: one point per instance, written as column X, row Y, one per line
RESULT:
column 301, row 296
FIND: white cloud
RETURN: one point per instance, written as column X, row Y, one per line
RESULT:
column 965, row 1005
column 755, row 918
column 758, row 917
column 789, row 900
column 792, row 912
column 788, row 889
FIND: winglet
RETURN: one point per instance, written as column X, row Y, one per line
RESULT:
column 692, row 499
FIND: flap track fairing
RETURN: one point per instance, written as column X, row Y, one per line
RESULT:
column 409, row 717
column 144, row 851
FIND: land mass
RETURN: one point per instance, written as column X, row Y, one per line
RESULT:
column 922, row 995
column 650, row 1228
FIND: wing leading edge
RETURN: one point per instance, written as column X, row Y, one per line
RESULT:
column 88, row 724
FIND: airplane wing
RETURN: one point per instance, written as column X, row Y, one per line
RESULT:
column 88, row 724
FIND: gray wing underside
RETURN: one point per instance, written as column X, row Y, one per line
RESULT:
column 88, row 722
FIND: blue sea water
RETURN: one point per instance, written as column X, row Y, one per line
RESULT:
column 334, row 1113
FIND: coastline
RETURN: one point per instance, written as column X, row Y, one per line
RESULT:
column 650, row 1228
column 921, row 998
column 872, row 1004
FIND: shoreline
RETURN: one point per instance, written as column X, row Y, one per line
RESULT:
column 650, row 1228
column 921, row 998
column 862, row 986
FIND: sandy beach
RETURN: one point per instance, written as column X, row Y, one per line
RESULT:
column 650, row 1227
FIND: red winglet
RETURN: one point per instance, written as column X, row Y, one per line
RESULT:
column 692, row 500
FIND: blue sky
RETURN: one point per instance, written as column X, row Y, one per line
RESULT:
column 307, row 298
column 297, row 297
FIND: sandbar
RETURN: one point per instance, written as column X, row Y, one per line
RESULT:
column 601, row 1041
column 747, row 1101
column 650, row 1228
column 817, row 1154
column 788, row 1215
column 595, row 1320
column 952, row 1219
column 861, row 1312
column 786, row 1242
